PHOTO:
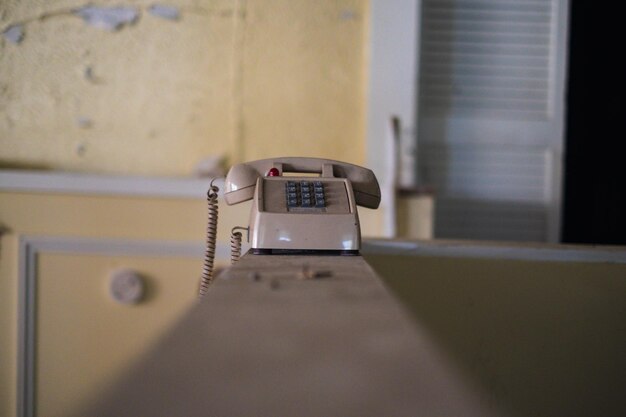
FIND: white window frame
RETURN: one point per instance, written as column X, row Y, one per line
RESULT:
column 393, row 89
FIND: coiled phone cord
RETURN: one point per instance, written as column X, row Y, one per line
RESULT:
column 235, row 246
column 235, row 243
column 211, row 234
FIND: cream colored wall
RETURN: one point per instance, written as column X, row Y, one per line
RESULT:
column 303, row 79
column 246, row 79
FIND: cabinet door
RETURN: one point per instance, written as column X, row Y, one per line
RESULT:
column 83, row 338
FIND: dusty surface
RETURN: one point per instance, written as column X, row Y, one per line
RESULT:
column 293, row 336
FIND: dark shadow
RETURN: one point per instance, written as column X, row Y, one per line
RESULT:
column 537, row 338
column 20, row 165
column 593, row 200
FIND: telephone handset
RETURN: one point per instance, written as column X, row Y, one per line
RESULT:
column 243, row 176
column 291, row 213
column 303, row 213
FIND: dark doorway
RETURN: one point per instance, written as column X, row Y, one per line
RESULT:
column 594, row 208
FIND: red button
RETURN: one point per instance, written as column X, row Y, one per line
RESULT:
column 273, row 172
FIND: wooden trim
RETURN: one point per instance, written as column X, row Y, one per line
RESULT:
column 77, row 183
column 491, row 250
column 392, row 90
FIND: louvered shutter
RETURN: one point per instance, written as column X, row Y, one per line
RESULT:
column 491, row 116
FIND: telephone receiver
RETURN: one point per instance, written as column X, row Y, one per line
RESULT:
column 296, row 213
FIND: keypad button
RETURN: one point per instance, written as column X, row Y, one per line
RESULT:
column 305, row 194
column 291, row 187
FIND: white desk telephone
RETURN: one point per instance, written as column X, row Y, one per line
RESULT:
column 299, row 214
column 303, row 213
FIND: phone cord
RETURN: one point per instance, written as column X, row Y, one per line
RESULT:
column 211, row 233
column 235, row 246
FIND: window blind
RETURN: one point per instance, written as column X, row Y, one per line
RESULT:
column 489, row 130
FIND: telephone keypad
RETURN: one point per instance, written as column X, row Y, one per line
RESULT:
column 285, row 195
column 305, row 194
column 292, row 194
column 320, row 200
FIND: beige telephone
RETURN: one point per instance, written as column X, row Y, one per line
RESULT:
column 297, row 214
column 303, row 213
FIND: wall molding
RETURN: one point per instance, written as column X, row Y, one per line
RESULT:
column 78, row 183
column 491, row 250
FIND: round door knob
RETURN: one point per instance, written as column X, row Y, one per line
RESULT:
column 126, row 286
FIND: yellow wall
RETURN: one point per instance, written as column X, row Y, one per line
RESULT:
column 245, row 79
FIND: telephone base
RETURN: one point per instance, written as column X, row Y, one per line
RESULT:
column 339, row 252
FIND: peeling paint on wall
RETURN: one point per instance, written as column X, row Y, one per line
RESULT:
column 348, row 14
column 14, row 33
column 91, row 76
column 87, row 90
column 108, row 18
column 84, row 122
column 80, row 149
column 164, row 11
